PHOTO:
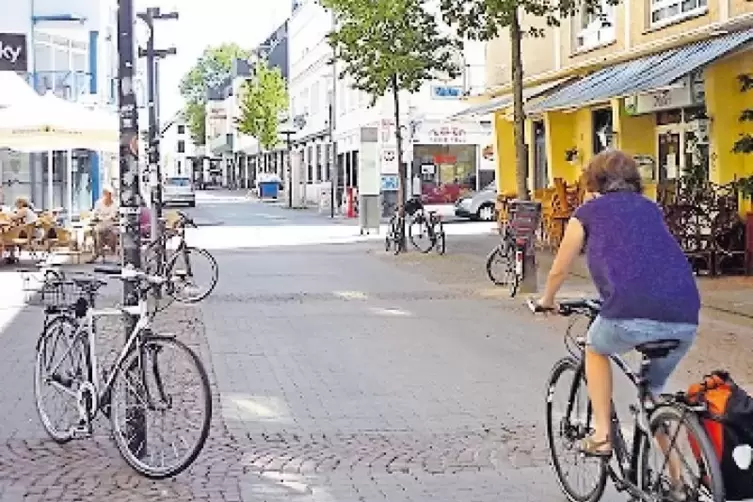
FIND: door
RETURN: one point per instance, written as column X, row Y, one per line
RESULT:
column 540, row 167
column 670, row 158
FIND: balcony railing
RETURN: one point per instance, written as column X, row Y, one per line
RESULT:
column 65, row 84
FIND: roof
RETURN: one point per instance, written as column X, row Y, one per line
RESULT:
column 644, row 74
column 506, row 100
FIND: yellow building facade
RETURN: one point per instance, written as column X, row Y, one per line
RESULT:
column 661, row 81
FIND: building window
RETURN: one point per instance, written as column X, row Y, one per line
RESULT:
column 180, row 168
column 595, row 28
column 181, row 146
column 668, row 11
column 181, row 129
column 318, row 159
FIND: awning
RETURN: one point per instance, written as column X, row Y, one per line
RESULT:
column 642, row 75
column 506, row 100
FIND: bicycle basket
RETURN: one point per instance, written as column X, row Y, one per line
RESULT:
column 55, row 294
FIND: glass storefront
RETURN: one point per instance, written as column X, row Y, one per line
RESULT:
column 447, row 172
column 27, row 175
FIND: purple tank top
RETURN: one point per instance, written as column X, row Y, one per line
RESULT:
column 635, row 263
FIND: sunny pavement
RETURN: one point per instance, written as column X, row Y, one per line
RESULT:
column 340, row 374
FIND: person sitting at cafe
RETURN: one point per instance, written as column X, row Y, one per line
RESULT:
column 105, row 219
column 23, row 215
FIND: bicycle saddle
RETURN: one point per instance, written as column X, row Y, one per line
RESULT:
column 658, row 349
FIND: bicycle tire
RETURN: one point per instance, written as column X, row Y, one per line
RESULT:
column 560, row 368
column 690, row 421
column 423, row 223
column 121, row 441
column 441, row 239
column 490, row 259
column 57, row 323
column 170, row 290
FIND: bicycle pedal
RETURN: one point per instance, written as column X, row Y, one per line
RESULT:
column 81, row 432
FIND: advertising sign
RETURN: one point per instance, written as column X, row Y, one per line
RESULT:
column 13, row 52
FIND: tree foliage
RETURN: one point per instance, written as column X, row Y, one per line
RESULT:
column 211, row 69
column 486, row 19
column 263, row 99
column 377, row 40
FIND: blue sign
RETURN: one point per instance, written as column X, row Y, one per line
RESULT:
column 446, row 91
column 389, row 183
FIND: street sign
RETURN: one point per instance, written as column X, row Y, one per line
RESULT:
column 389, row 183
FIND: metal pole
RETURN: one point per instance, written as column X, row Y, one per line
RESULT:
column 289, row 163
column 130, row 196
column 334, row 171
column 154, row 171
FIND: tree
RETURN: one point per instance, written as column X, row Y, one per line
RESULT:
column 211, row 69
column 485, row 19
column 263, row 98
column 390, row 45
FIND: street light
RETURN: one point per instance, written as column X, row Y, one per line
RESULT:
column 288, row 130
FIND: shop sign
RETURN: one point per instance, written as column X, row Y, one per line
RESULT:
column 446, row 91
column 447, row 134
column 666, row 99
column 389, row 183
column 13, row 52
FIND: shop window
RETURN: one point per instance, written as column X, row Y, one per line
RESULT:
column 595, row 28
column 669, row 11
column 447, row 172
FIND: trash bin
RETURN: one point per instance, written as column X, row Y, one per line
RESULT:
column 268, row 189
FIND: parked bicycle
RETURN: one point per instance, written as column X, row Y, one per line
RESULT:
column 653, row 433
column 180, row 265
column 134, row 392
column 395, row 238
column 505, row 265
column 426, row 231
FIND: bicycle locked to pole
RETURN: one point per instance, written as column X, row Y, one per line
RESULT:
column 505, row 264
column 653, row 432
column 180, row 264
column 138, row 381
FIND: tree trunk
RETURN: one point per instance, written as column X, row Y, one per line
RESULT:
column 529, row 284
column 402, row 173
column 521, row 155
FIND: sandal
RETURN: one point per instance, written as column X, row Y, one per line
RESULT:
column 593, row 448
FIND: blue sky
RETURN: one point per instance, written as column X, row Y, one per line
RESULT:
column 208, row 22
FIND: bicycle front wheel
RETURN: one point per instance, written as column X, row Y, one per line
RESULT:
column 419, row 234
column 499, row 267
column 441, row 242
column 679, row 462
column 62, row 368
column 565, row 428
column 160, row 384
column 187, row 270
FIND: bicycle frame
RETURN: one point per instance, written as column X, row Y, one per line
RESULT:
column 627, row 459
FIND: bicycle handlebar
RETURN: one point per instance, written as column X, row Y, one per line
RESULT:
column 587, row 306
column 129, row 273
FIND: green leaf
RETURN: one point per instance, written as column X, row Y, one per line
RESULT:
column 262, row 99
column 211, row 69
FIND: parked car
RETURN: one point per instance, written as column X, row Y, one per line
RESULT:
column 178, row 190
column 479, row 205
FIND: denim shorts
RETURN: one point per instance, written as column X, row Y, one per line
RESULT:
column 618, row 336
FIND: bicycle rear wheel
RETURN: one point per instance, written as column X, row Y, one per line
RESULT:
column 675, row 428
column 145, row 391
column 568, row 427
column 183, row 268
column 419, row 234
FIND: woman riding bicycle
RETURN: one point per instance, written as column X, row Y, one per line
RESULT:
column 644, row 280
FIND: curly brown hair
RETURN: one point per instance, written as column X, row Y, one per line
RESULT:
column 613, row 171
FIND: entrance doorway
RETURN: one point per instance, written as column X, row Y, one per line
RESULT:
column 682, row 144
column 540, row 167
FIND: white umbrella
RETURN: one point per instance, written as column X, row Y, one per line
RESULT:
column 50, row 123
column 14, row 89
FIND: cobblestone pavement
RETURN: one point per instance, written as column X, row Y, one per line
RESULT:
column 339, row 374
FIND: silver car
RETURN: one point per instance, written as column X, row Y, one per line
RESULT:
column 178, row 191
column 478, row 205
